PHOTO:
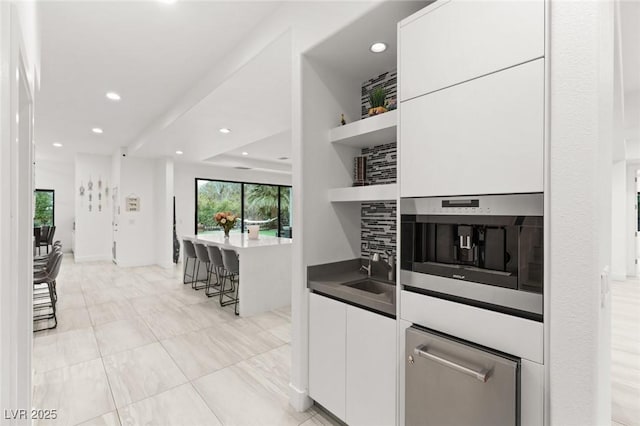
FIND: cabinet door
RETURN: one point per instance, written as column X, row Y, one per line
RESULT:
column 371, row 368
column 485, row 136
column 327, row 334
column 456, row 41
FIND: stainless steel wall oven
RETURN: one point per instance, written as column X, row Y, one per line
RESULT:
column 485, row 251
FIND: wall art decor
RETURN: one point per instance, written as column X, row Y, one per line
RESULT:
column 90, row 184
column 132, row 203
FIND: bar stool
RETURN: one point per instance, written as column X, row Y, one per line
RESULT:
column 232, row 268
column 189, row 254
column 202, row 257
column 47, row 279
column 216, row 269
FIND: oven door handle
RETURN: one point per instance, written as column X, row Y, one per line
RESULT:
column 480, row 374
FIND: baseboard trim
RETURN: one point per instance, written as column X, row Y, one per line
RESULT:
column 299, row 399
column 97, row 258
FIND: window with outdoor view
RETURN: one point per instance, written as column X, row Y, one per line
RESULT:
column 44, row 208
column 257, row 204
column 215, row 196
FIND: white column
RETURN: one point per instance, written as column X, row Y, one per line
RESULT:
column 579, row 184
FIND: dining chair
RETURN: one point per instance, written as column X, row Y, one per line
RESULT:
column 45, row 280
column 203, row 259
column 232, row 268
column 189, row 255
column 216, row 269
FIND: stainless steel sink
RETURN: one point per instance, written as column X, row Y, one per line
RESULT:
column 370, row 286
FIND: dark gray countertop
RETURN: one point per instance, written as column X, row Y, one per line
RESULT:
column 333, row 279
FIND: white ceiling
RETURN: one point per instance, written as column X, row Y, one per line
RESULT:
column 149, row 52
column 255, row 103
column 347, row 52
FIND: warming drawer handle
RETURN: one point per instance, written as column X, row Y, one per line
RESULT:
column 423, row 351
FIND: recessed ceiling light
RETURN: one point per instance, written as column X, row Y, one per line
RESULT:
column 378, row 47
column 225, row 130
column 179, row 152
column 97, row 130
column 113, row 96
column 57, row 145
column 245, row 153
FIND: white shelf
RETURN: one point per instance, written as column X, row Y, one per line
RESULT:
column 372, row 131
column 387, row 192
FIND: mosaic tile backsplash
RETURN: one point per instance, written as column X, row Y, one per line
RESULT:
column 378, row 220
column 389, row 80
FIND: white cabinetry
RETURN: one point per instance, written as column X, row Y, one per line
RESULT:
column 454, row 41
column 327, row 362
column 485, row 136
column 352, row 362
column 371, row 368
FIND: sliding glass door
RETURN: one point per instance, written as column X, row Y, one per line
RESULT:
column 213, row 196
column 267, row 206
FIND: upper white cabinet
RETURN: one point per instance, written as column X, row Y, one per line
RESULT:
column 484, row 136
column 453, row 41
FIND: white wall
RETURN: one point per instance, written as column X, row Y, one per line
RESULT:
column 59, row 176
column 93, row 228
column 19, row 60
column 137, row 230
column 579, row 214
column 184, row 187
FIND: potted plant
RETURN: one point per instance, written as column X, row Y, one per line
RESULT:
column 227, row 221
column 377, row 100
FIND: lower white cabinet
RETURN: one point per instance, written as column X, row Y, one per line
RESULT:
column 371, row 368
column 327, row 347
column 352, row 362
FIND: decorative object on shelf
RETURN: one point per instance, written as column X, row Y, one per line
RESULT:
column 132, row 203
column 99, row 183
column 81, row 189
column 388, row 80
column 90, row 197
column 254, row 231
column 106, row 190
column 342, row 120
column 90, row 184
column 99, row 207
column 360, row 171
column 227, row 221
column 99, row 196
column 392, row 104
column 377, row 100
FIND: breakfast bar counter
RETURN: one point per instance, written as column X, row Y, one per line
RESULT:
column 265, row 269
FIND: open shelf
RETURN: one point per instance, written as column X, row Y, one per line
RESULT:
column 371, row 131
column 388, row 192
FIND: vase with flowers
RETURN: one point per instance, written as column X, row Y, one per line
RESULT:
column 227, row 221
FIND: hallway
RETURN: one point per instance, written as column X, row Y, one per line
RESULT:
column 136, row 346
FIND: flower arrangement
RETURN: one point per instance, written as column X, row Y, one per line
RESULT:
column 226, row 220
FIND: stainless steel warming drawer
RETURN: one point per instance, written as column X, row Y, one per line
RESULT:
column 451, row 382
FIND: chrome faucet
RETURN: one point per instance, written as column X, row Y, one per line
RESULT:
column 374, row 258
column 391, row 263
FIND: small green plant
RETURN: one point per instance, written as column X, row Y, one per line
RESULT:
column 377, row 97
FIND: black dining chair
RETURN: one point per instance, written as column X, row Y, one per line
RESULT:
column 37, row 234
column 50, row 235
column 45, row 307
column 44, row 239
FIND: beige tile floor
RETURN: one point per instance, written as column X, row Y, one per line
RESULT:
column 625, row 352
column 134, row 346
